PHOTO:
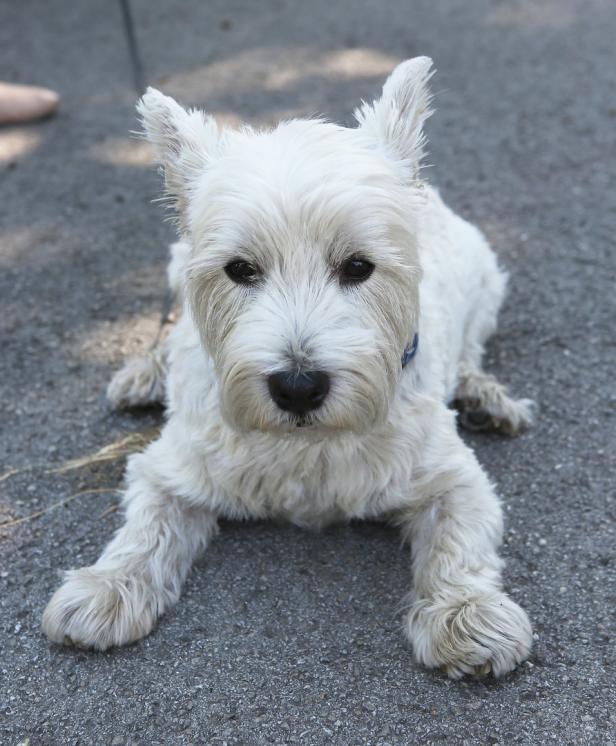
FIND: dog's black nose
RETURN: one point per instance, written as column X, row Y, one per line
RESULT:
column 299, row 392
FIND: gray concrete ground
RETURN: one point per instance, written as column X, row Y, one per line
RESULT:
column 284, row 636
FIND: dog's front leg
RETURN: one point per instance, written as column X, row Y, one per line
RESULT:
column 140, row 573
column 461, row 620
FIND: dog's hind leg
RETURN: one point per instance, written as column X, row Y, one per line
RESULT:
column 485, row 404
column 482, row 401
column 141, row 380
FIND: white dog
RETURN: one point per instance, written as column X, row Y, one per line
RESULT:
column 333, row 307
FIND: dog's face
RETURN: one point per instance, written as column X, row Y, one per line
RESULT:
column 303, row 279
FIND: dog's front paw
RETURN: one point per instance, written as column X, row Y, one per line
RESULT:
column 473, row 636
column 99, row 609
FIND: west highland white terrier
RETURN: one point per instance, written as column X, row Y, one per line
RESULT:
column 333, row 306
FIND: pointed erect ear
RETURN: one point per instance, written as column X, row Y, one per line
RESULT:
column 184, row 142
column 396, row 119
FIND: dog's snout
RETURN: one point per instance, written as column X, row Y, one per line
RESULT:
column 298, row 393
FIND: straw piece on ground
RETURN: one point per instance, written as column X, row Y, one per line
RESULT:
column 10, row 473
column 123, row 447
column 53, row 506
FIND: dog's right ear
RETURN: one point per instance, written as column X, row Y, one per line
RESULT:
column 184, row 142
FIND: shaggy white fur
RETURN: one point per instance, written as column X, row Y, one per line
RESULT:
column 312, row 247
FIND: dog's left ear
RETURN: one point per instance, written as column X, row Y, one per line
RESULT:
column 396, row 120
column 184, row 142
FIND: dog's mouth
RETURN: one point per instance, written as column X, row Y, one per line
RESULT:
column 295, row 422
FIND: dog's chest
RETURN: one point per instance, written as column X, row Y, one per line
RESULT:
column 312, row 483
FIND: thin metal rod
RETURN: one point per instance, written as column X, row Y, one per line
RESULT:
column 133, row 48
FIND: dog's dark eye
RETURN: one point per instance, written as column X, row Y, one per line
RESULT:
column 244, row 273
column 355, row 270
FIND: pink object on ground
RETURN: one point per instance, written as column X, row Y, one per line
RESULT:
column 25, row 103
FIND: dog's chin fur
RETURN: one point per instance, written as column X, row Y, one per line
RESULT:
column 309, row 427
column 296, row 203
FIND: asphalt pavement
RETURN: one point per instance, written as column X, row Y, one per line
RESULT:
column 284, row 636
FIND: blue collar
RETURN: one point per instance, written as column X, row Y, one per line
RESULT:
column 410, row 350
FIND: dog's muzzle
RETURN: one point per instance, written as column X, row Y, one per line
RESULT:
column 298, row 392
